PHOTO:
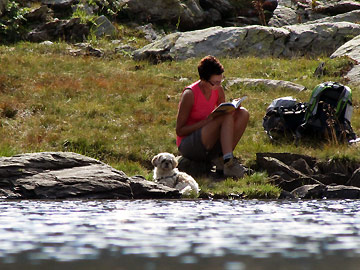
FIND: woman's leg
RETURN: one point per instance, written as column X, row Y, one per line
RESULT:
column 229, row 128
column 241, row 119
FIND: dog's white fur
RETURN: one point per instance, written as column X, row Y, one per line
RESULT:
column 166, row 173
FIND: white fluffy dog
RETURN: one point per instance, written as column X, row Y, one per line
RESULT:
column 166, row 173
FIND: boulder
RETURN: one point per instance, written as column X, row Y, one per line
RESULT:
column 291, row 184
column 332, row 178
column 59, row 4
column 270, row 84
column 355, row 179
column 309, row 192
column 104, row 27
column 274, row 166
column 341, row 192
column 61, row 8
column 352, row 16
column 187, row 15
column 150, row 33
column 288, row 158
column 302, row 166
column 305, row 177
column 63, row 175
column 326, row 192
column 351, row 49
column 283, row 16
column 260, row 41
column 194, row 14
column 336, row 8
column 353, row 76
column 326, row 12
column 218, row 41
column 319, row 38
column 340, row 166
column 40, row 14
column 69, row 30
column 283, row 175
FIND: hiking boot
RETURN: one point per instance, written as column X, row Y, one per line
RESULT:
column 233, row 168
column 219, row 164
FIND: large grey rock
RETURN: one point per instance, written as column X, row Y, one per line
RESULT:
column 305, row 177
column 63, row 3
column 104, row 27
column 350, row 49
column 218, row 41
column 337, row 7
column 355, row 179
column 251, row 40
column 270, row 84
column 59, row 175
column 309, row 192
column 319, row 38
column 354, row 75
column 186, row 14
column 327, row 192
column 352, row 16
column 288, row 158
column 283, row 16
column 287, row 13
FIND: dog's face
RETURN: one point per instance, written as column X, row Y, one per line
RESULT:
column 164, row 161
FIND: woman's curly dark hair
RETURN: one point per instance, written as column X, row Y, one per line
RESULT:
column 209, row 66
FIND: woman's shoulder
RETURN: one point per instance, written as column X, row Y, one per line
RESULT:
column 193, row 86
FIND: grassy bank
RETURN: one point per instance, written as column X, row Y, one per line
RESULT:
column 124, row 112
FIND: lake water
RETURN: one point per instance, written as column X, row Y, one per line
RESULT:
column 171, row 235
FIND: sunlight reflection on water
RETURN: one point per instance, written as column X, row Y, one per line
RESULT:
column 67, row 231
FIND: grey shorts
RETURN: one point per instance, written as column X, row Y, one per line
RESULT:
column 192, row 148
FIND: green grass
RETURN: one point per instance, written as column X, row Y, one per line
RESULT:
column 124, row 112
column 250, row 187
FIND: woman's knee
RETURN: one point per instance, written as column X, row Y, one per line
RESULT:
column 242, row 114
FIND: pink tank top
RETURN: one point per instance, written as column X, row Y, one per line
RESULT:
column 201, row 107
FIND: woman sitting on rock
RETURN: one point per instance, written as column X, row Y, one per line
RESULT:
column 202, row 137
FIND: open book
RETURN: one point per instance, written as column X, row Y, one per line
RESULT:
column 226, row 107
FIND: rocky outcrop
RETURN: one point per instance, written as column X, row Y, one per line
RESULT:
column 306, row 177
column 60, row 175
column 195, row 14
column 70, row 30
column 295, row 12
column 332, row 9
column 266, row 83
column 251, row 40
column 351, row 49
column 352, row 16
column 61, row 8
column 185, row 14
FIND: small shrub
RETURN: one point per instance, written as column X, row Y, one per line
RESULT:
column 12, row 22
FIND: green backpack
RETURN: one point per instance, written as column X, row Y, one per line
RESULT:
column 329, row 112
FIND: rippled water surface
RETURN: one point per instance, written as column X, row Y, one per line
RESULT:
column 149, row 235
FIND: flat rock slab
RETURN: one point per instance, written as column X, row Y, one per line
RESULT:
column 288, row 41
column 61, row 175
column 269, row 84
